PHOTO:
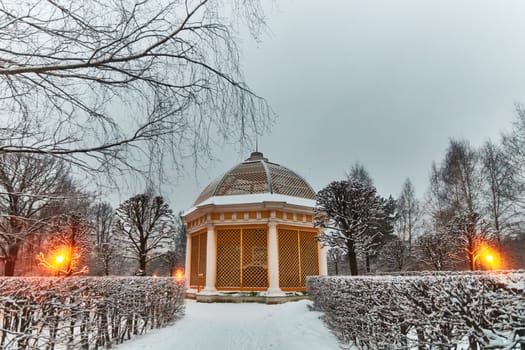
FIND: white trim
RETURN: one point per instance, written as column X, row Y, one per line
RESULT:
column 211, row 261
column 273, row 260
column 187, row 267
column 323, row 261
column 259, row 198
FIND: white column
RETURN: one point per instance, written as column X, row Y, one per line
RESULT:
column 323, row 261
column 211, row 261
column 273, row 261
column 187, row 266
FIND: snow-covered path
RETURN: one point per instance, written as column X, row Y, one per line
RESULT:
column 290, row 326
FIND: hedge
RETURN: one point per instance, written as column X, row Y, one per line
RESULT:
column 423, row 311
column 84, row 312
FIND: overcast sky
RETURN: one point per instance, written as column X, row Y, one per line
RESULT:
column 385, row 83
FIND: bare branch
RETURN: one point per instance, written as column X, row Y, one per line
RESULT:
column 98, row 83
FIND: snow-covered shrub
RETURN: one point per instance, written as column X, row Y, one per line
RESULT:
column 445, row 310
column 84, row 312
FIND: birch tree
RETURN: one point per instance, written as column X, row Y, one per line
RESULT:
column 499, row 190
column 409, row 215
column 457, row 187
column 514, row 148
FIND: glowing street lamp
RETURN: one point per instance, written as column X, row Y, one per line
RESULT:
column 489, row 258
column 60, row 259
column 179, row 275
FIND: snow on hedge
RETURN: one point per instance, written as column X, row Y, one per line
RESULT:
column 84, row 312
column 423, row 311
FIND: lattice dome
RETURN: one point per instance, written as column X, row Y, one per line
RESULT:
column 257, row 175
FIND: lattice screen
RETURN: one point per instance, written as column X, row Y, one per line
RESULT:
column 308, row 253
column 198, row 260
column 288, row 259
column 228, row 258
column 298, row 257
column 254, row 258
column 242, row 259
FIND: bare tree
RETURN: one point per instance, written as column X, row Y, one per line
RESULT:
column 176, row 256
column 499, row 190
column 335, row 255
column 105, row 249
column 393, row 255
column 460, row 176
column 34, row 189
column 352, row 213
column 144, row 225
column 68, row 246
column 470, row 234
column 409, row 215
column 456, row 197
column 359, row 173
column 109, row 84
column 514, row 253
column 433, row 249
column 514, row 148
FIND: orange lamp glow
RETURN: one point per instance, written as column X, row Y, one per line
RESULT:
column 492, row 259
column 179, row 275
column 60, row 259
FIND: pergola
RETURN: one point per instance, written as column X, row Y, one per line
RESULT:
column 252, row 230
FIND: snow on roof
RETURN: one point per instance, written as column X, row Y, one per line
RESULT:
column 257, row 198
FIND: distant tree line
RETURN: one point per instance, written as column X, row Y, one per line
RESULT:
column 471, row 216
column 50, row 226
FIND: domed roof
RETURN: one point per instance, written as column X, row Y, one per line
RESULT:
column 257, row 175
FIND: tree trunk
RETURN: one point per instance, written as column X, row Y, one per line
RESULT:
column 10, row 261
column 420, row 339
column 352, row 261
column 473, row 344
column 142, row 264
column 367, row 260
column 472, row 261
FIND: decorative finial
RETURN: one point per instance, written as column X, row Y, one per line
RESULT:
column 257, row 156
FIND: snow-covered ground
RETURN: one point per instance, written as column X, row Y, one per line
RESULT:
column 223, row 326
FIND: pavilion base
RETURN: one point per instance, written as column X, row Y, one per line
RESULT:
column 244, row 297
